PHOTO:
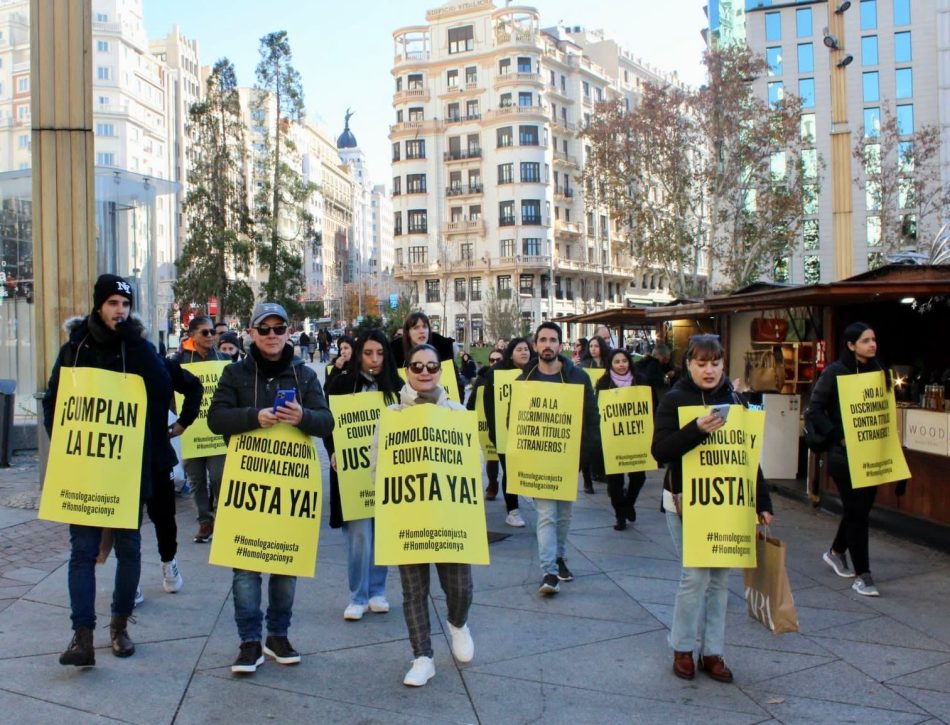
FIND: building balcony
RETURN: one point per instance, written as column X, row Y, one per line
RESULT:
column 516, row 37
column 509, row 111
column 412, row 56
column 568, row 229
column 411, row 94
column 563, row 159
column 465, row 226
column 562, row 264
column 463, row 190
column 462, row 155
column 566, row 125
column 562, row 96
column 515, row 79
column 463, row 119
column 415, row 127
column 563, row 192
column 522, row 262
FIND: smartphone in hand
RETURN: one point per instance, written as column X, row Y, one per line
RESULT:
column 721, row 411
column 283, row 397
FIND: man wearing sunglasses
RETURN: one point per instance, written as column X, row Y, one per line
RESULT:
column 244, row 401
column 203, row 472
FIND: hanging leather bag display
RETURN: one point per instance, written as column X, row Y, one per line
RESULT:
column 769, row 329
column 765, row 370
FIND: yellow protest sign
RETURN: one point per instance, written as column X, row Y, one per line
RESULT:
column 428, row 488
column 626, row 428
column 488, row 448
column 719, row 477
column 502, row 386
column 94, row 473
column 595, row 374
column 268, row 516
column 544, row 439
column 197, row 441
column 869, row 416
column 355, row 417
column 447, row 380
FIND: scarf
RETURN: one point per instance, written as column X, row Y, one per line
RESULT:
column 622, row 381
column 272, row 368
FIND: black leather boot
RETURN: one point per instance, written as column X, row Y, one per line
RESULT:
column 80, row 652
column 122, row 646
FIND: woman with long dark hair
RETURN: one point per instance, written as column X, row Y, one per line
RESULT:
column 620, row 375
column 417, row 330
column 518, row 353
column 370, row 369
column 595, row 356
column 344, row 353
column 858, row 355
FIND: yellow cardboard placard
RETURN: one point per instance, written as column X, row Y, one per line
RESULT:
column 268, row 516
column 719, row 477
column 488, row 448
column 544, row 439
column 502, row 389
column 429, row 506
column 869, row 416
column 94, row 473
column 447, row 380
column 594, row 374
column 355, row 419
column 626, row 428
column 198, row 441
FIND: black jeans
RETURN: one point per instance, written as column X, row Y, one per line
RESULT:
column 161, row 510
column 511, row 499
column 856, row 503
column 624, row 501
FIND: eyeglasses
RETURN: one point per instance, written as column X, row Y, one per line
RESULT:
column 264, row 330
column 206, row 332
column 418, row 367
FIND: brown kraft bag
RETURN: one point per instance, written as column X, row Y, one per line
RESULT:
column 767, row 592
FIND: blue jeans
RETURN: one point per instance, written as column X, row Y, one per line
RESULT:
column 554, row 521
column 365, row 578
column 703, row 594
column 84, row 542
column 247, row 604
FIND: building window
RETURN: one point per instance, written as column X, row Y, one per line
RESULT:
column 397, row 185
column 809, row 199
column 525, row 99
column 530, row 172
column 803, row 23
column 471, row 111
column 531, row 247
column 471, row 74
column 773, row 57
column 504, row 136
column 504, row 286
column 105, row 129
column 415, row 183
column 773, row 26
column 901, row 12
column 776, row 92
column 23, row 142
column 452, row 112
column 806, row 89
column 504, row 101
column 396, row 151
column 808, row 128
column 504, row 66
column 105, row 159
column 904, row 83
column 418, row 255
column 432, row 290
column 531, row 211
column 506, row 213
column 872, row 122
column 414, row 82
column 902, row 52
column 452, row 78
column 102, row 46
column 780, row 271
column 810, row 239
column 874, row 231
column 527, row 135
column 416, row 149
column 417, row 219
column 875, row 260
column 417, row 114
column 475, row 288
column 812, row 269
column 810, row 163
column 103, row 73
column 869, row 50
column 505, row 173
column 868, row 14
column 461, row 39
column 806, row 58
column 905, row 119
column 526, row 284
column 524, row 64
column 506, row 248
column 872, row 91
column 460, row 289
column 397, row 224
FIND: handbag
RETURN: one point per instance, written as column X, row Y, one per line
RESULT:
column 765, row 370
column 769, row 329
column 768, row 594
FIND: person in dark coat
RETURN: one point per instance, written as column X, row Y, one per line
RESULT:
column 703, row 592
column 109, row 339
column 491, row 467
column 653, row 370
column 416, row 330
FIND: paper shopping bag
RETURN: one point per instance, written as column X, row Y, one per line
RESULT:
column 767, row 592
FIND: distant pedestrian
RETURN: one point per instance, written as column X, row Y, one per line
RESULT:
column 304, row 342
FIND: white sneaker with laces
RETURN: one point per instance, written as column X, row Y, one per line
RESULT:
column 354, row 612
column 378, row 604
column 139, row 597
column 514, row 519
column 423, row 670
column 171, row 576
column 461, row 640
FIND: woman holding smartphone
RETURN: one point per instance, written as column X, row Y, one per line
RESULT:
column 703, row 592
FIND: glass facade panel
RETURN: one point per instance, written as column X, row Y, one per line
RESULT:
column 806, row 90
column 872, row 87
column 902, row 47
column 806, row 58
column 773, row 57
column 901, row 12
column 904, row 83
column 803, row 24
column 773, row 26
column 905, row 119
column 872, row 121
column 776, row 92
column 869, row 50
column 868, row 14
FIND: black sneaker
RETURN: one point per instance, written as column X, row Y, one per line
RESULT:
column 549, row 585
column 249, row 659
column 563, row 573
column 280, row 649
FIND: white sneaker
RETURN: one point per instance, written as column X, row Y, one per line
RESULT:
column 378, row 604
column 171, row 577
column 864, row 585
column 355, row 612
column 462, row 645
column 514, row 519
column 423, row 670
column 139, row 597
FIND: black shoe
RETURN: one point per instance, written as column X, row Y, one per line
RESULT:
column 280, row 649
column 588, row 489
column 122, row 645
column 249, row 658
column 549, row 585
column 621, row 524
column 80, row 652
column 563, row 573
column 632, row 514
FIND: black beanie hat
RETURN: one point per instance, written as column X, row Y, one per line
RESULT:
column 108, row 285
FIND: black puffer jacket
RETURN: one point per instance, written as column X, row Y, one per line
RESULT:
column 671, row 442
column 444, row 346
column 92, row 344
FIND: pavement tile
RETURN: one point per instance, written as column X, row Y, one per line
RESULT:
column 885, row 663
column 927, row 678
column 804, row 709
column 26, row 575
column 33, row 709
column 935, row 703
column 883, row 630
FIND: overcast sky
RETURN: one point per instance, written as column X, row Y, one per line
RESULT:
column 344, row 50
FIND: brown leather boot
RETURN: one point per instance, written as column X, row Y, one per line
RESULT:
column 80, row 652
column 491, row 493
column 122, row 646
column 715, row 667
column 683, row 665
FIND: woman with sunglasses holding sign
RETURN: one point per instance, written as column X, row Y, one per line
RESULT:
column 423, row 374
column 703, row 592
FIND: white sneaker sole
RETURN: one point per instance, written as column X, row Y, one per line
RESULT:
column 353, row 616
column 378, row 609
column 409, row 683
column 831, row 562
column 248, row 668
column 280, row 660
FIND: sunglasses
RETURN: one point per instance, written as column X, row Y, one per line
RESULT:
column 264, row 330
column 493, row 360
column 206, row 332
column 418, row 367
